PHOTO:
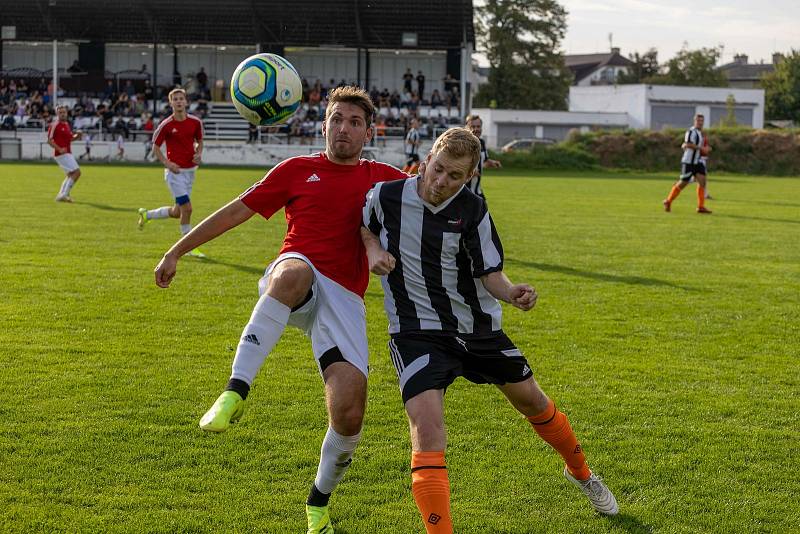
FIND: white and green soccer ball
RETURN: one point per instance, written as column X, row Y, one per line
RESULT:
column 266, row 89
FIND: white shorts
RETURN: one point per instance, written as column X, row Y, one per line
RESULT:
column 334, row 318
column 180, row 184
column 67, row 162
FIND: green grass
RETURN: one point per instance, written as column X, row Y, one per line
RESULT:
column 671, row 340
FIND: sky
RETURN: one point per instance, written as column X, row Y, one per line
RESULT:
column 754, row 28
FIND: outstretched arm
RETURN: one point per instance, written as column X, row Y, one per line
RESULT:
column 520, row 296
column 229, row 216
column 380, row 261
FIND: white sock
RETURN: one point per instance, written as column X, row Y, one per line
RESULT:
column 259, row 337
column 68, row 183
column 334, row 460
column 158, row 213
column 62, row 191
column 186, row 228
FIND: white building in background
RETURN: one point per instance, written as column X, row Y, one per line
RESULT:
column 661, row 106
column 503, row 125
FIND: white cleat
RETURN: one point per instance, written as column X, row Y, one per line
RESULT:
column 598, row 493
column 63, row 198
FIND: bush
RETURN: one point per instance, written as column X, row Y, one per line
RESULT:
column 549, row 157
column 741, row 150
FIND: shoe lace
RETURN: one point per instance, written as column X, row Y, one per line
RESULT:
column 594, row 487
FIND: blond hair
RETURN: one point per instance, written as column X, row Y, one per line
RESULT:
column 471, row 118
column 175, row 91
column 352, row 95
column 457, row 143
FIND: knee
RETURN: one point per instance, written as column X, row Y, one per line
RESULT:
column 76, row 174
column 348, row 419
column 186, row 208
column 428, row 434
column 290, row 283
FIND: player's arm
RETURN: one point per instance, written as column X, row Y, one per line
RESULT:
column 520, row 296
column 229, row 216
column 492, row 164
column 163, row 159
column 53, row 144
column 198, row 151
column 77, row 135
column 380, row 261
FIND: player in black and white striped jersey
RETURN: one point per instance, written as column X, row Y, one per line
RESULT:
column 692, row 166
column 441, row 264
column 474, row 124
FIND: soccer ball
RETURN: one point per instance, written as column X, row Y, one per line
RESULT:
column 266, row 89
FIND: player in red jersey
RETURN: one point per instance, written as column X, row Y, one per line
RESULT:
column 316, row 283
column 60, row 137
column 183, row 134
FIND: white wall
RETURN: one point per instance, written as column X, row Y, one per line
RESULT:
column 637, row 100
column 538, row 119
column 37, row 55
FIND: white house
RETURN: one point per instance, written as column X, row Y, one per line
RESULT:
column 660, row 106
column 503, row 125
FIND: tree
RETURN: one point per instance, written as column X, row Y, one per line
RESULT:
column 692, row 67
column 782, row 89
column 644, row 66
column 521, row 39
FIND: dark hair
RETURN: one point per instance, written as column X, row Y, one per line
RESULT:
column 352, row 95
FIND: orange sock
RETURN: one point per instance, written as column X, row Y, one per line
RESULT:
column 553, row 427
column 414, row 169
column 431, row 490
column 674, row 193
column 701, row 197
column 406, row 168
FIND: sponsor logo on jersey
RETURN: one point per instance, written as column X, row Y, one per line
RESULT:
column 313, row 178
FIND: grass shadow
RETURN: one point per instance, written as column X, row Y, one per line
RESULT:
column 600, row 277
column 106, row 207
column 242, row 268
column 764, row 219
column 630, row 523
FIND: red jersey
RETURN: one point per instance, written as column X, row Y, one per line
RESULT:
column 61, row 133
column 180, row 137
column 323, row 202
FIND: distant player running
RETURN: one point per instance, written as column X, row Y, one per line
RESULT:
column 474, row 124
column 60, row 137
column 412, row 143
column 441, row 265
column 691, row 167
column 316, row 283
column 183, row 134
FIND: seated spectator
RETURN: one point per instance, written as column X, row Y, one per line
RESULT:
column 143, row 70
column 110, row 92
column 436, row 99
column 314, row 97
column 202, row 106
column 122, row 105
column 405, row 99
column 380, row 130
column 130, row 90
column 148, row 90
column 202, row 79
column 252, row 133
column 374, row 95
column 414, row 102
column 394, row 99
column 22, row 89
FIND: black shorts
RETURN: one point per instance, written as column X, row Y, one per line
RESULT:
column 425, row 361
column 689, row 170
column 412, row 158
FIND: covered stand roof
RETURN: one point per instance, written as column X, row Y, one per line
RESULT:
column 351, row 23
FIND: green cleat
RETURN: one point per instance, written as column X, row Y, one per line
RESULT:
column 197, row 253
column 143, row 218
column 319, row 520
column 228, row 408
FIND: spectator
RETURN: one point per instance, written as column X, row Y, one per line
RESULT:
column 122, row 105
column 384, row 98
column 380, row 130
column 374, row 95
column 436, row 99
column 148, row 90
column 42, row 87
column 202, row 105
column 22, row 89
column 252, row 133
column 421, row 85
column 176, row 78
column 413, row 103
column 449, row 83
column 75, row 67
column 202, row 79
column 408, row 77
column 143, row 70
column 394, row 99
column 130, row 90
column 110, row 93
column 405, row 99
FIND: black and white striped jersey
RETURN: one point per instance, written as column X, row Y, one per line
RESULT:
column 441, row 252
column 692, row 155
column 474, row 184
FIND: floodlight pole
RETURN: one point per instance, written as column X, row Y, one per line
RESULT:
column 55, row 74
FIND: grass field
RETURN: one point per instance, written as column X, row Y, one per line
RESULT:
column 671, row 340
